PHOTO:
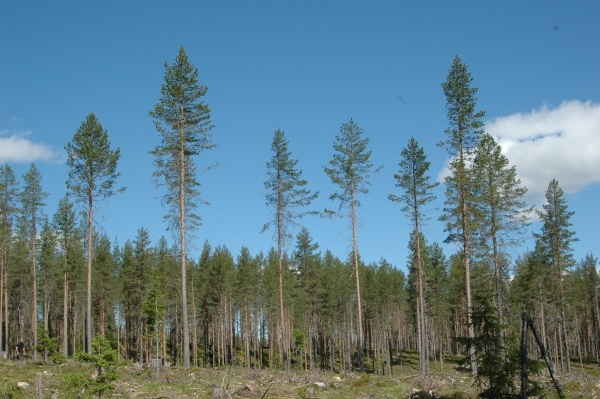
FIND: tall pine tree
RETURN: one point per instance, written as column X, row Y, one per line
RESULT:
column 502, row 213
column 32, row 199
column 92, row 178
column 183, row 122
column 350, row 170
column 9, row 192
column 307, row 260
column 463, row 134
column 286, row 195
column 555, row 240
column 417, row 193
column 66, row 227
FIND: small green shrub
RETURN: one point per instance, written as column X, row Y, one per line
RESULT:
column 362, row 381
column 12, row 392
column 104, row 360
column 49, row 347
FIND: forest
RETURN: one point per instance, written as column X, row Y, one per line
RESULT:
column 63, row 283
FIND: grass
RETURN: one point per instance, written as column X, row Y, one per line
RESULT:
column 46, row 380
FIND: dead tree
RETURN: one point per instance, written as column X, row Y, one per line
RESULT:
column 528, row 323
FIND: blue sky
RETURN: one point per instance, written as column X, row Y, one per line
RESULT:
column 304, row 67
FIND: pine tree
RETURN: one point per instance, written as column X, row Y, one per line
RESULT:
column 464, row 133
column 104, row 360
column 413, row 180
column 555, row 240
column 586, row 291
column 496, row 371
column 160, row 289
column 92, row 178
column 350, row 170
column 9, row 191
column 32, row 199
column 286, row 195
column 166, row 289
column 103, row 277
column 437, row 296
column 66, row 228
column 501, row 212
column 128, row 299
column 49, row 273
column 20, row 279
column 183, row 122
column 224, row 265
column 308, row 268
column 142, row 267
column 207, row 299
column 247, row 289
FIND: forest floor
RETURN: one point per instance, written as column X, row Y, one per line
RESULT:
column 40, row 380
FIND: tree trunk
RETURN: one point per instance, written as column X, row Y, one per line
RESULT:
column 563, row 321
column 4, row 297
column 523, row 356
column 1, row 302
column 65, row 338
column 246, row 335
column 546, row 358
column 467, row 263
column 195, row 329
column 182, row 232
column 89, row 277
column 359, row 322
column 73, row 315
column 421, row 327
column 34, row 300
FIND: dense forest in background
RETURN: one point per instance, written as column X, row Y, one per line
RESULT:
column 63, row 282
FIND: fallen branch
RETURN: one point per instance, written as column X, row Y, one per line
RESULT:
column 245, row 387
column 406, row 378
column 265, row 394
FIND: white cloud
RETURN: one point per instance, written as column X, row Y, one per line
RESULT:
column 561, row 143
column 17, row 148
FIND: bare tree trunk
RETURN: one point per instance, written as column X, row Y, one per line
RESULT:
column 233, row 360
column 498, row 281
column 359, row 322
column 89, row 276
column 101, row 312
column 4, row 299
column 578, row 337
column 597, row 325
column 182, row 232
column 467, row 263
column 74, row 323
column 260, row 336
column 65, row 338
column 543, row 322
column 284, row 334
column 546, row 358
column 195, row 329
column 246, row 335
column 6, row 318
column 164, row 341
column 523, row 356
column 421, row 327
column 563, row 323
column 34, row 300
